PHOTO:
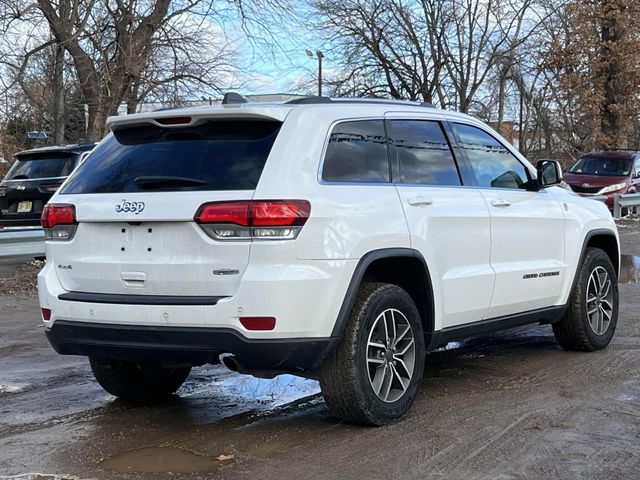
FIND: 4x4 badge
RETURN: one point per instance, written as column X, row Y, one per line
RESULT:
column 130, row 207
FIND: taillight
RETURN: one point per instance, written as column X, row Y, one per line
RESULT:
column 59, row 221
column 46, row 314
column 253, row 219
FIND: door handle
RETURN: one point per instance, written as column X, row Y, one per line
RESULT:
column 500, row 203
column 420, row 202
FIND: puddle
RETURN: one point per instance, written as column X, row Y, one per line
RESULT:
column 164, row 460
column 629, row 269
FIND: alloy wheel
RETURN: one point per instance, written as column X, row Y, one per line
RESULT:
column 599, row 300
column 391, row 355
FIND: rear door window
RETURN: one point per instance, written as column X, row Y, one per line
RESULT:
column 357, row 152
column 217, row 155
column 29, row 167
column 424, row 155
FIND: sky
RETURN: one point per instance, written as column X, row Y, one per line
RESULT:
column 276, row 61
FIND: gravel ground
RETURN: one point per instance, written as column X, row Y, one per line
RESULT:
column 19, row 276
column 511, row 405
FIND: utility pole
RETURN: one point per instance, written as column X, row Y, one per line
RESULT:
column 320, row 56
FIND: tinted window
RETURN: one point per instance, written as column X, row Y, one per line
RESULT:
column 493, row 165
column 606, row 166
column 424, row 155
column 357, row 152
column 39, row 166
column 227, row 155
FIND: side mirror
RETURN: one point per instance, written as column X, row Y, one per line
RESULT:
column 549, row 173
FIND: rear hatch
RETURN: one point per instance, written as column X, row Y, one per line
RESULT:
column 30, row 183
column 136, row 197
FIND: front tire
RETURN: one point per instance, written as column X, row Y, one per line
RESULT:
column 592, row 313
column 377, row 369
column 133, row 381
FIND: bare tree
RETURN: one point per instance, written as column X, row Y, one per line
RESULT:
column 433, row 50
column 593, row 62
column 386, row 48
column 126, row 51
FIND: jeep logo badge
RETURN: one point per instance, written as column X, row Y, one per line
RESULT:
column 130, row 207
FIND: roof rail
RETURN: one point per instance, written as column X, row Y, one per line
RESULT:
column 614, row 149
column 383, row 101
column 308, row 101
column 232, row 97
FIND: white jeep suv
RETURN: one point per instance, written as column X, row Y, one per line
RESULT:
column 336, row 239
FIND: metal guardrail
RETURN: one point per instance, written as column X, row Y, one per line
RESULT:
column 22, row 241
column 629, row 200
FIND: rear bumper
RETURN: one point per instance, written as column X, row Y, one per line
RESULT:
column 302, row 298
column 195, row 346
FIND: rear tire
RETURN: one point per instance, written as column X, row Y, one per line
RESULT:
column 592, row 312
column 135, row 381
column 376, row 372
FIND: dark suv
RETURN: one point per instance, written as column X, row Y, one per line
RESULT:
column 605, row 173
column 32, row 180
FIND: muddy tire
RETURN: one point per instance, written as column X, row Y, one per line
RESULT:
column 376, row 371
column 137, row 381
column 592, row 312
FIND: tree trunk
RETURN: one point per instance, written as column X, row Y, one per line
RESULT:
column 58, row 89
column 612, row 34
column 501, row 95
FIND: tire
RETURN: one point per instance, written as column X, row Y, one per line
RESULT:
column 348, row 378
column 582, row 328
column 133, row 381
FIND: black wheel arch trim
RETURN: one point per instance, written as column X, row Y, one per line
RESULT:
column 595, row 233
column 358, row 275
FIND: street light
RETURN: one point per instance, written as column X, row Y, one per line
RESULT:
column 320, row 56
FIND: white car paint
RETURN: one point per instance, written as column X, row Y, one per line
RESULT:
column 476, row 253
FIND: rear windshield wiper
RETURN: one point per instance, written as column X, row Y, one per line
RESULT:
column 160, row 182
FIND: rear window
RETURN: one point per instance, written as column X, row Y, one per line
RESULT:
column 357, row 152
column 219, row 155
column 612, row 167
column 31, row 167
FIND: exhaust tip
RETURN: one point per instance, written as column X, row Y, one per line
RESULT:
column 232, row 363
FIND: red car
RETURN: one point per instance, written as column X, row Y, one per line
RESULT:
column 605, row 173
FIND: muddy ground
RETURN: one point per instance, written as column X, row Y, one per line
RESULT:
column 508, row 406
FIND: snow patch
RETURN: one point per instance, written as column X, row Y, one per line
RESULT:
column 6, row 388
